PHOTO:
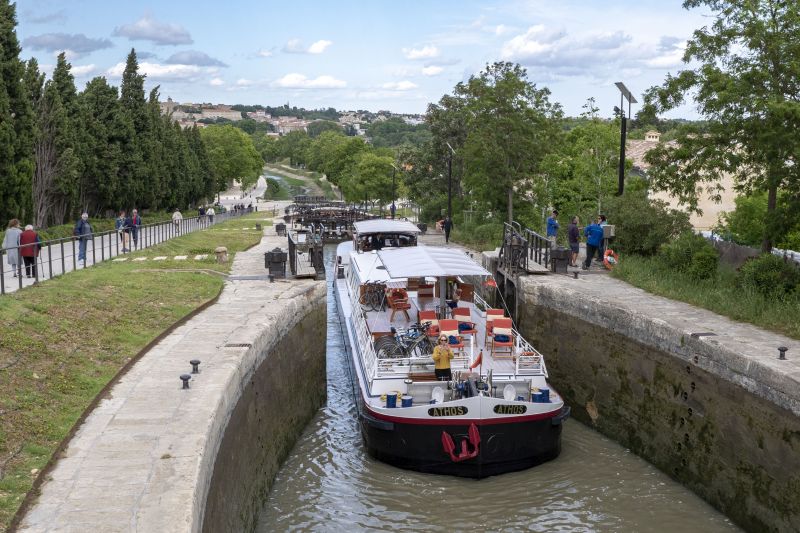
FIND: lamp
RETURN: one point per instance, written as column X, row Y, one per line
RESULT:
column 626, row 94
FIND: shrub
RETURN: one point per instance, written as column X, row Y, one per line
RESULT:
column 691, row 254
column 770, row 275
column 643, row 225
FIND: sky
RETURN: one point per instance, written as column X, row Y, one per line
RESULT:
column 369, row 54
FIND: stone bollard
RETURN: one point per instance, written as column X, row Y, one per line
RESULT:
column 222, row 254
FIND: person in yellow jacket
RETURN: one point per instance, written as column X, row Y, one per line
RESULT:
column 441, row 356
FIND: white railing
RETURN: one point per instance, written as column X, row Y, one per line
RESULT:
column 366, row 349
column 529, row 360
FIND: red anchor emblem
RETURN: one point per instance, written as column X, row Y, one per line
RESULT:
column 474, row 441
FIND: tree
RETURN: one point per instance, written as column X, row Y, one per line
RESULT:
column 100, row 146
column 512, row 125
column 16, row 124
column 317, row 127
column 371, row 178
column 133, row 115
column 294, row 145
column 232, row 156
column 267, row 146
column 55, row 179
column 750, row 93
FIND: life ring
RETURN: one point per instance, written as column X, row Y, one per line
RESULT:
column 610, row 259
column 531, row 354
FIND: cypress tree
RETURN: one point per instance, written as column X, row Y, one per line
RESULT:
column 100, row 146
column 132, row 127
column 16, row 124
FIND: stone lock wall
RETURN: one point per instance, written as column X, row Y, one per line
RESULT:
column 671, row 399
column 279, row 399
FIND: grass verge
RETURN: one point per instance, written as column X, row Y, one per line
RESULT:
column 65, row 339
column 719, row 294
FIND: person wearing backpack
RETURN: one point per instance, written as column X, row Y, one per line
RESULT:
column 82, row 232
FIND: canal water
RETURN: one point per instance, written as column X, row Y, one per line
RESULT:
column 329, row 483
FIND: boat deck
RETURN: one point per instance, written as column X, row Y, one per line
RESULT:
column 503, row 362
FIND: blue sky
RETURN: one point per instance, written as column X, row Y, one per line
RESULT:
column 362, row 55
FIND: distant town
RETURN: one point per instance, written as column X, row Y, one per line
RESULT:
column 189, row 114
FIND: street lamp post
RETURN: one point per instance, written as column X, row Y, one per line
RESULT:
column 624, row 93
column 394, row 193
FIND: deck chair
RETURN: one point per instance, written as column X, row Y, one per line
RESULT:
column 449, row 327
column 491, row 314
column 502, row 327
column 463, row 316
column 398, row 301
column 429, row 316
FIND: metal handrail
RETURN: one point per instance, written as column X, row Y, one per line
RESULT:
column 101, row 246
column 538, row 247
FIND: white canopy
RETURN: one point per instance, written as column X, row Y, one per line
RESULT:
column 385, row 226
column 419, row 261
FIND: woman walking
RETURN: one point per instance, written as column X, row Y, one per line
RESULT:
column 29, row 246
column 11, row 243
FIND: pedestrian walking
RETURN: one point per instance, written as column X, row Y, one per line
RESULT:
column 11, row 244
column 121, row 224
column 29, row 247
column 210, row 214
column 82, row 232
column 594, row 238
column 136, row 224
column 574, row 237
column 552, row 228
column 177, row 217
column 447, row 225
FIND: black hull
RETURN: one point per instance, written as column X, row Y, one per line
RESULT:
column 503, row 447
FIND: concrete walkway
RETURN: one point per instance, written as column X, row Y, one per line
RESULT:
column 143, row 459
column 741, row 353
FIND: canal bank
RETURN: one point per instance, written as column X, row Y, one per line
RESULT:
column 703, row 398
column 155, row 457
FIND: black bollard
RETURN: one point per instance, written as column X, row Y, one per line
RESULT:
column 575, row 274
column 195, row 364
column 782, row 351
column 185, row 378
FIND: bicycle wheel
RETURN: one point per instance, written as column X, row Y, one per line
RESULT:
column 421, row 347
column 388, row 348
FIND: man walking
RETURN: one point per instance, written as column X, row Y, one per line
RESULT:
column 210, row 214
column 82, row 232
column 123, row 230
column 594, row 239
column 552, row 228
column 447, row 226
column 136, row 222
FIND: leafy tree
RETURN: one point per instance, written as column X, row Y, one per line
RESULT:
column 294, row 145
column 512, row 125
column 371, row 178
column 134, row 188
column 232, row 155
column 644, row 225
column 267, row 146
column 395, row 132
column 750, row 93
column 206, row 174
column 318, row 127
column 16, row 124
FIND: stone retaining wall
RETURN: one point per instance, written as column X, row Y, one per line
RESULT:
column 714, row 412
column 278, row 401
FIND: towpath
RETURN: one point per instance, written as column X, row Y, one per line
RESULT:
column 143, row 458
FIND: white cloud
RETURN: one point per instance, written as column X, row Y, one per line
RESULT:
column 426, row 52
column 82, row 70
column 149, row 29
column 243, row 82
column 193, row 57
column 77, row 44
column 404, row 85
column 501, row 29
column 299, row 81
column 296, row 46
column 216, row 82
column 264, row 53
column 432, row 70
column 157, row 71
column 319, row 46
